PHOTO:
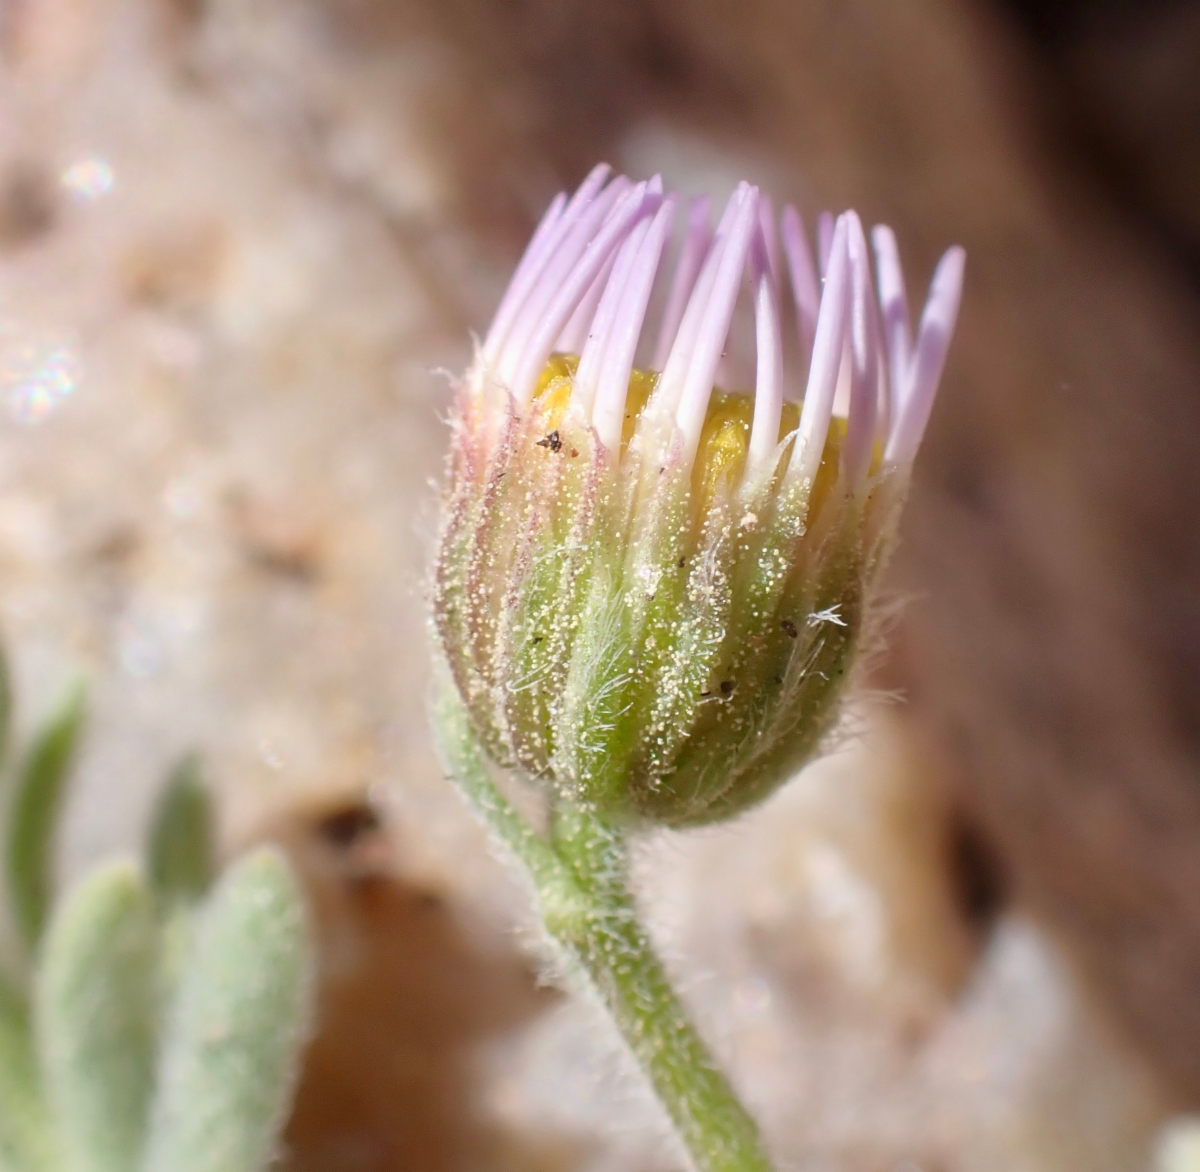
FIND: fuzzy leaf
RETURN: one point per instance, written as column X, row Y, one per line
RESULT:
column 179, row 852
column 231, row 1051
column 40, row 786
column 25, row 1142
column 96, row 1015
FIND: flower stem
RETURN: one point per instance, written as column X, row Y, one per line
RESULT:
column 580, row 876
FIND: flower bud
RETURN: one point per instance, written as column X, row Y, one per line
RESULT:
column 649, row 592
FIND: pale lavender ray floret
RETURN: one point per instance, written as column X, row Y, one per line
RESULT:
column 768, row 336
column 608, row 345
column 828, row 352
column 669, row 391
column 770, row 236
column 700, row 358
column 608, row 415
column 569, row 272
column 696, row 244
column 825, row 226
column 594, row 339
column 893, row 301
column 532, row 263
column 532, row 358
column 864, row 347
column 805, row 291
column 586, row 283
column 577, row 330
column 545, row 240
column 928, row 359
column 559, row 253
column 580, row 326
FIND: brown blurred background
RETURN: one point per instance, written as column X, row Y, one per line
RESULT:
column 238, row 237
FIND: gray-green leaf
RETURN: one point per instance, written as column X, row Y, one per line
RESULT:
column 25, row 1142
column 33, row 819
column 231, row 1050
column 95, row 1018
column 179, row 852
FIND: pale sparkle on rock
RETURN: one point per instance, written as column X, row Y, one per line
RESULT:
column 39, row 369
column 88, row 178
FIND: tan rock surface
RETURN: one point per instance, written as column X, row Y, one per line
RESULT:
column 238, row 237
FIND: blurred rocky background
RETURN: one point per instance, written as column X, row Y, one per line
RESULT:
column 240, row 240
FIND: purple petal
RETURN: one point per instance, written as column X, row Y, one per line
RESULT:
column 608, row 414
column 531, row 264
column 864, row 383
column 591, row 360
column 893, row 301
column 768, row 386
column 824, row 240
column 805, row 290
column 766, row 218
column 714, row 328
column 576, row 236
column 933, row 341
column 537, row 349
column 691, row 258
column 826, row 361
column 558, row 218
column 670, row 386
column 574, row 334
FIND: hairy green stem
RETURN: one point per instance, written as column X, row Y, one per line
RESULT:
column 614, row 949
column 580, row 875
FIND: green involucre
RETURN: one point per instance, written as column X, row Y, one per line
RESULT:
column 666, row 644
